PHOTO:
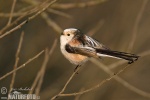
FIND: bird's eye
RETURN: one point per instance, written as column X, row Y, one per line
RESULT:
column 68, row 34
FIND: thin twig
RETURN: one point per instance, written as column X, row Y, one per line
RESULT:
column 51, row 90
column 78, row 96
column 116, row 64
column 145, row 53
column 136, row 25
column 96, row 28
column 15, row 14
column 59, row 13
column 51, row 23
column 24, row 15
column 34, row 83
column 96, row 86
column 45, row 92
column 11, row 13
column 38, row 75
column 53, row 47
column 120, row 80
column 78, row 5
column 136, row 90
column 32, row 2
column 65, row 86
column 23, row 65
column 28, row 8
column 24, row 22
column 20, row 13
column 10, row 31
column 16, row 61
column 42, row 72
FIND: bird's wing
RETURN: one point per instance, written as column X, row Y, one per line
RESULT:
column 90, row 42
column 84, row 45
column 86, row 51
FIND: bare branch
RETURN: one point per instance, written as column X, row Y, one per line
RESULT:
column 11, row 13
column 116, row 64
column 39, row 73
column 34, row 83
column 59, row 13
column 21, row 12
column 24, row 22
column 120, row 80
column 78, row 96
column 65, row 86
column 145, row 53
column 53, row 47
column 78, row 5
column 42, row 72
column 136, row 25
column 23, row 65
column 16, row 61
column 96, row 86
column 96, row 28
column 24, row 15
column 51, row 23
column 117, row 78
column 15, row 14
column 32, row 2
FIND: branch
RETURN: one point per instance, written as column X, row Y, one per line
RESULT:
column 136, row 25
column 15, row 14
column 120, row 80
column 51, row 23
column 42, row 72
column 32, row 2
column 78, row 5
column 21, row 17
column 29, row 18
column 23, row 65
column 16, row 61
column 115, row 76
column 65, row 86
column 145, row 53
column 11, row 13
column 116, row 64
column 60, row 13
column 96, row 28
column 78, row 96
column 39, row 73
column 96, row 86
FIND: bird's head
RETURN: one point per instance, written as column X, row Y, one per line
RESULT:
column 68, row 34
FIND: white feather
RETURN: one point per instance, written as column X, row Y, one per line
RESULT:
column 103, row 55
column 70, row 29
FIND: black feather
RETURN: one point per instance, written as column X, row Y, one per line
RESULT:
column 127, row 56
column 69, row 49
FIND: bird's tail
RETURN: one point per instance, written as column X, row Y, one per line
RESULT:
column 116, row 54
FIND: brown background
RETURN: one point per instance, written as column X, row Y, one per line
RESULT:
column 117, row 20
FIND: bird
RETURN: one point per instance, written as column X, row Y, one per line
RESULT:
column 79, row 48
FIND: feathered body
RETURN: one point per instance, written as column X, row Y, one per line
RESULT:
column 78, row 48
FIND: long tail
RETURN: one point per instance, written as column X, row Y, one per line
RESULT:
column 116, row 54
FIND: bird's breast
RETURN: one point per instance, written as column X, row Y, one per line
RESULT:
column 76, row 59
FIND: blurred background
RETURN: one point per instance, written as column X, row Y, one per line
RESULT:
column 122, row 25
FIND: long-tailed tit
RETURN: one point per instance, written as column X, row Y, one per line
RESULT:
column 78, row 48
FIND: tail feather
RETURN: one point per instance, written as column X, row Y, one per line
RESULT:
column 116, row 54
